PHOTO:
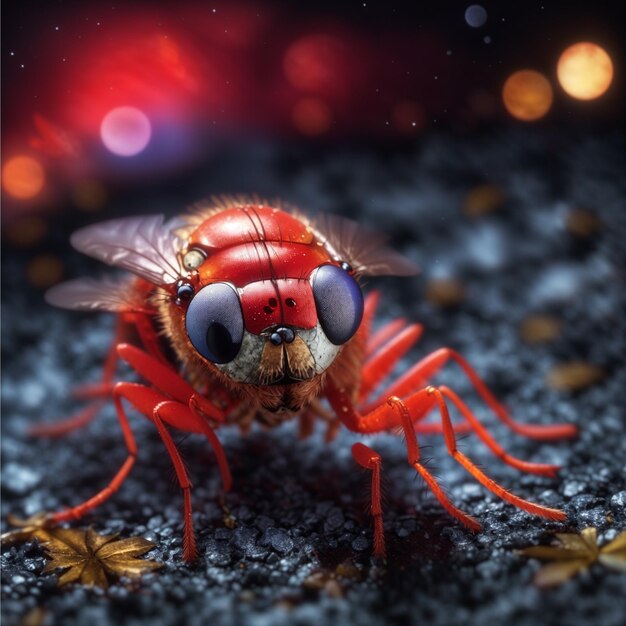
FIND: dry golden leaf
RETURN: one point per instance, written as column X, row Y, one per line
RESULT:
column 483, row 199
column 445, row 292
column 560, row 572
column 574, row 553
column 33, row 527
column 90, row 557
column 574, row 376
column 540, row 328
column 582, row 223
column 549, row 553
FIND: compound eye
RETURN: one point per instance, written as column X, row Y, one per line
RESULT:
column 339, row 302
column 214, row 322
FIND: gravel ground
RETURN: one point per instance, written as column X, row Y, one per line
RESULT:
column 291, row 543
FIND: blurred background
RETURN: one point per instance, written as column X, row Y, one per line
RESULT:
column 485, row 138
column 102, row 101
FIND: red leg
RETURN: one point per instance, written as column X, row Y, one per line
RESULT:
column 369, row 309
column 190, row 551
column 142, row 322
column 435, row 428
column 381, row 363
column 369, row 459
column 404, row 413
column 90, row 391
column 192, row 409
column 450, row 440
column 144, row 325
column 78, row 511
column 163, row 377
column 542, row 469
column 384, row 334
column 61, row 428
column 425, row 369
column 151, row 404
column 172, row 401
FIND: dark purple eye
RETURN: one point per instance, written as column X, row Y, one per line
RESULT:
column 339, row 302
column 214, row 322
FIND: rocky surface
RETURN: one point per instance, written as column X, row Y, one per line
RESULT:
column 291, row 543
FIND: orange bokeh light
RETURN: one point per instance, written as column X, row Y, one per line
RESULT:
column 23, row 177
column 527, row 95
column 312, row 116
column 585, row 71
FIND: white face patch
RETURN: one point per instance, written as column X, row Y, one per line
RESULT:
column 323, row 351
column 245, row 367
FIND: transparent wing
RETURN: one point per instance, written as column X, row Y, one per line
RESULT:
column 144, row 245
column 364, row 249
column 88, row 294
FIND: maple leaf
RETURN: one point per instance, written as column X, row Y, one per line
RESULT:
column 90, row 558
column 573, row 553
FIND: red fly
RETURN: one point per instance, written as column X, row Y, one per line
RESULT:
column 249, row 313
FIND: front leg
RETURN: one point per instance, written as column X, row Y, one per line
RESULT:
column 396, row 413
column 170, row 401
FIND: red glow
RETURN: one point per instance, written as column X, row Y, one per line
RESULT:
column 312, row 116
column 53, row 140
column 313, row 63
column 198, row 72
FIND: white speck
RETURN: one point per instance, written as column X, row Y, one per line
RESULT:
column 487, row 39
column 22, row 66
column 12, row 54
column 213, row 10
column 449, row 53
column 56, row 28
column 436, row 77
column 413, row 124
